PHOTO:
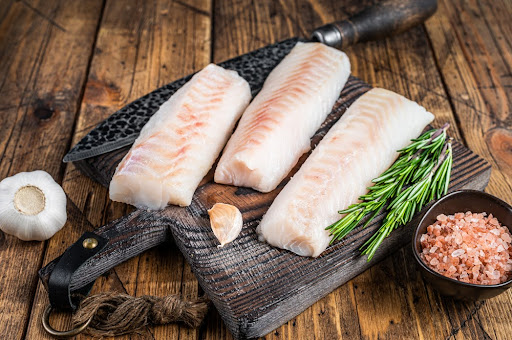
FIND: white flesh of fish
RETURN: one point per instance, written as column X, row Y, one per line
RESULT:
column 276, row 128
column 182, row 140
column 357, row 149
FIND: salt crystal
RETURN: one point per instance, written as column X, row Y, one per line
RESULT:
column 458, row 252
column 469, row 247
column 442, row 217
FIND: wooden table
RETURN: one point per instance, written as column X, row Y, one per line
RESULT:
column 67, row 65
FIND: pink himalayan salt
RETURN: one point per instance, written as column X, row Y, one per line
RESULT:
column 468, row 247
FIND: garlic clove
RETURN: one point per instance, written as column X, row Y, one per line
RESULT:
column 226, row 222
column 32, row 206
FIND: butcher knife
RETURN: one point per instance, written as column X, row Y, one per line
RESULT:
column 69, row 278
column 378, row 21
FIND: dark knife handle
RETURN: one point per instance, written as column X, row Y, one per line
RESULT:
column 125, row 238
column 383, row 19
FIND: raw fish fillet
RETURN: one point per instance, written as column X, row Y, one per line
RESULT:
column 276, row 128
column 181, row 141
column 357, row 149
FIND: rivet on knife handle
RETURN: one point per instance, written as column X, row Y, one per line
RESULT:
column 376, row 22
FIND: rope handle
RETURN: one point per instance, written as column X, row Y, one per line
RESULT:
column 112, row 314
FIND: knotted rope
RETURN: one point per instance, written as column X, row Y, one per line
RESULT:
column 117, row 314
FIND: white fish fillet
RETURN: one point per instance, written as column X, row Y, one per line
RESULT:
column 276, row 128
column 357, row 149
column 182, row 140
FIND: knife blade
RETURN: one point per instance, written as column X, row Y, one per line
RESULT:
column 123, row 127
column 375, row 22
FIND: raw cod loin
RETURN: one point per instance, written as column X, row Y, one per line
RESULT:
column 182, row 140
column 357, row 149
column 276, row 128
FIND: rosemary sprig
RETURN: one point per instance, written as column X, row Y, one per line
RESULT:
column 423, row 168
column 411, row 200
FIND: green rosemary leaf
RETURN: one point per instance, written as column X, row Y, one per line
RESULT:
column 421, row 173
column 377, row 211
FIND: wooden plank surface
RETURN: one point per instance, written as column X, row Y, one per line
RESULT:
column 43, row 64
column 472, row 46
column 140, row 46
column 458, row 65
column 406, row 65
column 249, row 281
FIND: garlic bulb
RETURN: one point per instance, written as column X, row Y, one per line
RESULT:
column 226, row 222
column 32, row 206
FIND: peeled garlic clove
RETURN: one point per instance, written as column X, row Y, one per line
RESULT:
column 32, row 206
column 226, row 222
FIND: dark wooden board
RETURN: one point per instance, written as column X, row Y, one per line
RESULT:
column 255, row 287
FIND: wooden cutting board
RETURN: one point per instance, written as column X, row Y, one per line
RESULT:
column 255, row 287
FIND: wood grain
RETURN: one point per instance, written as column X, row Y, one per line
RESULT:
column 404, row 64
column 466, row 81
column 44, row 58
column 254, row 286
column 472, row 43
column 140, row 46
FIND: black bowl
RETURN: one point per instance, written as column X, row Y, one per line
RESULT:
column 461, row 201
